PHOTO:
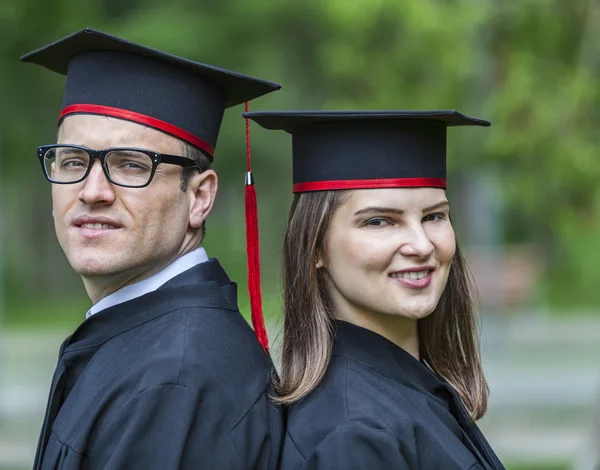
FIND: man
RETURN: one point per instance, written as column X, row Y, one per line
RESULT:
column 164, row 373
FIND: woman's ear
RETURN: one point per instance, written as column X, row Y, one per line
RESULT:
column 319, row 262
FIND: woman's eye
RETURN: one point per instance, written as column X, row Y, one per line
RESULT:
column 376, row 222
column 435, row 217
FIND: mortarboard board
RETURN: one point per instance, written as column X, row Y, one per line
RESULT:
column 110, row 76
column 366, row 149
column 337, row 150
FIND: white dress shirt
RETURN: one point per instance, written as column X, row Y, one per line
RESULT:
column 132, row 291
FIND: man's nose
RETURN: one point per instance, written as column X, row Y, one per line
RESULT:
column 97, row 189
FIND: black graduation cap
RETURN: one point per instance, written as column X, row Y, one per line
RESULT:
column 366, row 149
column 110, row 76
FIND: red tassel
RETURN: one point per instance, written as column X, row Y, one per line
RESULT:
column 253, row 252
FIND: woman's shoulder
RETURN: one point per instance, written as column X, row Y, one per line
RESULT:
column 360, row 416
column 350, row 445
column 350, row 395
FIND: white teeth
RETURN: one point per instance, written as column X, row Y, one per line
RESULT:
column 97, row 226
column 413, row 275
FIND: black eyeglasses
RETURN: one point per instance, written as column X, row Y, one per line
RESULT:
column 128, row 167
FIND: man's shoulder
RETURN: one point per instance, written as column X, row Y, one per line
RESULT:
column 172, row 322
column 226, row 345
column 195, row 347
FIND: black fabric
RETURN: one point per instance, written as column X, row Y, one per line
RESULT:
column 174, row 379
column 357, row 145
column 105, row 70
column 369, row 150
column 379, row 407
column 147, row 86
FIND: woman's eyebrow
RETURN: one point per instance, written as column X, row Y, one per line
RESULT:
column 391, row 210
column 439, row 205
column 379, row 210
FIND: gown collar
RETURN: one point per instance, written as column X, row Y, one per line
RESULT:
column 130, row 292
column 205, row 285
column 385, row 357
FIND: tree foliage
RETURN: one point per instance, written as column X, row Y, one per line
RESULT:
column 531, row 67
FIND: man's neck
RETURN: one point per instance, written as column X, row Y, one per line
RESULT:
column 99, row 287
column 151, row 282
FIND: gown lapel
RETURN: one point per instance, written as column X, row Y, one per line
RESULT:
column 54, row 403
column 473, row 437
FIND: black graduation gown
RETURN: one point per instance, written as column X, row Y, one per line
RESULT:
column 380, row 408
column 174, row 379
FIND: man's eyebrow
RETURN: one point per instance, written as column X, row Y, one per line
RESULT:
column 70, row 151
column 125, row 151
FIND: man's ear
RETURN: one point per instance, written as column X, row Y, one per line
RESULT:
column 202, row 189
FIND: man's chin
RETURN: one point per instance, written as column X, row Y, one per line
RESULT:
column 96, row 266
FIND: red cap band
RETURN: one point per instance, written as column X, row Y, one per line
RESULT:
column 140, row 119
column 370, row 184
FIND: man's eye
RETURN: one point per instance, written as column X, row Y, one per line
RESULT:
column 133, row 166
column 73, row 163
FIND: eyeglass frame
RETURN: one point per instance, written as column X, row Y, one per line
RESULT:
column 157, row 159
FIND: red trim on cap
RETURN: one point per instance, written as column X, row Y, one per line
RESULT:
column 141, row 119
column 369, row 184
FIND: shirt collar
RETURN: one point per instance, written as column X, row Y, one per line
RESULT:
column 150, row 284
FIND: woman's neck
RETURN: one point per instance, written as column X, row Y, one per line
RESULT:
column 399, row 330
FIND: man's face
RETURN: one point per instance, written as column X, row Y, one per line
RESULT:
column 112, row 234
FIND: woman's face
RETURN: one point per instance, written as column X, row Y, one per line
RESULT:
column 388, row 252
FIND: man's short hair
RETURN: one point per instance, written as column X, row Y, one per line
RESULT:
column 193, row 153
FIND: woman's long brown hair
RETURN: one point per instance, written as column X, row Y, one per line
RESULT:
column 448, row 338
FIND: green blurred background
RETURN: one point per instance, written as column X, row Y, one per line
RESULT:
column 525, row 192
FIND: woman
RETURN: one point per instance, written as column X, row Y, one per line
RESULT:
column 381, row 365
